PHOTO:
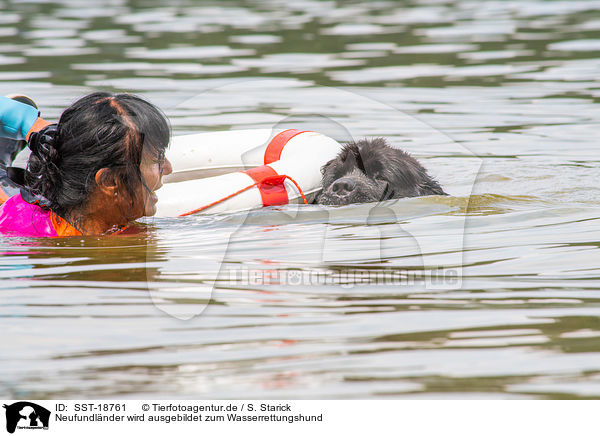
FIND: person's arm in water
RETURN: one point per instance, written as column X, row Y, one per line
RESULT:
column 18, row 120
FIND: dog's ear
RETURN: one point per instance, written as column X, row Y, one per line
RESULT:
column 430, row 187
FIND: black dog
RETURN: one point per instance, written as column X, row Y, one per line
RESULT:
column 371, row 170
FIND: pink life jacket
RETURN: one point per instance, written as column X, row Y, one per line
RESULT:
column 20, row 218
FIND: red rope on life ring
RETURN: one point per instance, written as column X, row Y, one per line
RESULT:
column 275, row 180
column 270, row 184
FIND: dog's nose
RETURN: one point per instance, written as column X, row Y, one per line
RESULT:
column 343, row 185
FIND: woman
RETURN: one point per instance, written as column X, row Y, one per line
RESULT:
column 93, row 173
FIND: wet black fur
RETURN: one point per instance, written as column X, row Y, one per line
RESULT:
column 370, row 170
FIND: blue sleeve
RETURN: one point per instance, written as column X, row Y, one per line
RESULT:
column 16, row 118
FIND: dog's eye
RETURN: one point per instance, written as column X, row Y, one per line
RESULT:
column 388, row 192
column 327, row 165
column 359, row 162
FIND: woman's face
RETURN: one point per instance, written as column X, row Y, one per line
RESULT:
column 152, row 171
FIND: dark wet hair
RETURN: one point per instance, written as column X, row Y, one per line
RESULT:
column 101, row 130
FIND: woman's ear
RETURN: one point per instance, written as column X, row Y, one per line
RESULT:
column 107, row 182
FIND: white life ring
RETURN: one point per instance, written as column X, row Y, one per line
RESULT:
column 244, row 165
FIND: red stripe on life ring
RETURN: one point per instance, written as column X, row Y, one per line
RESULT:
column 272, row 194
column 275, row 147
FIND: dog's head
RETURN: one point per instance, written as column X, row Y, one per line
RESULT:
column 370, row 170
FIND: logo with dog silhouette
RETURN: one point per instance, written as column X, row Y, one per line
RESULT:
column 26, row 415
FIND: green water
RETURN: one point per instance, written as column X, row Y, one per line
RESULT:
column 499, row 100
